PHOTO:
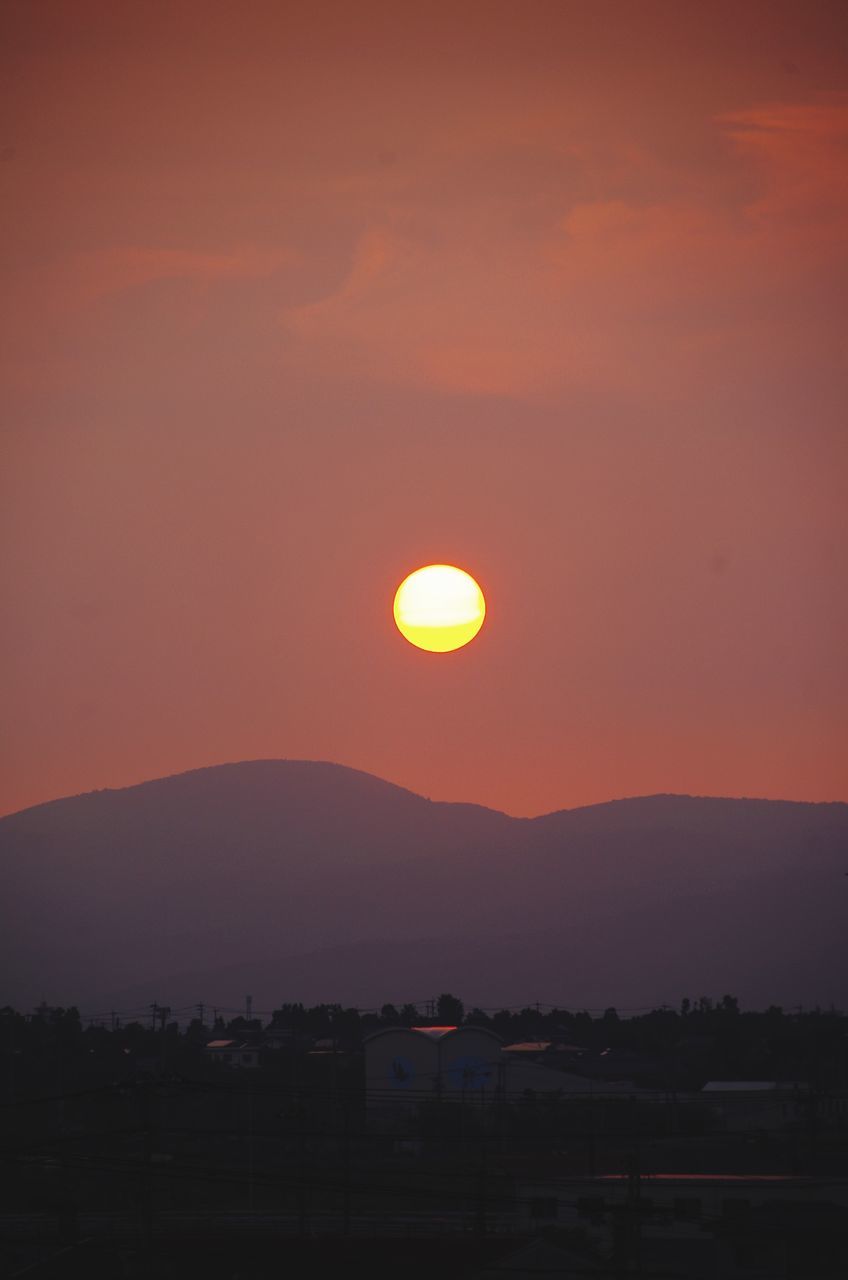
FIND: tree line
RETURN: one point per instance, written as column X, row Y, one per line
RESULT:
column 701, row 1039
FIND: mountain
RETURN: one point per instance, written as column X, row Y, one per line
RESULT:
column 302, row 880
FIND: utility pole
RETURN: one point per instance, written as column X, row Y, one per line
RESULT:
column 346, row 1166
column 200, row 1010
column 250, row 1178
column 248, row 1007
column 12, row 1056
column 154, row 1012
column 633, row 1211
column 480, row 1218
column 164, row 1010
column 302, row 1203
column 145, row 1100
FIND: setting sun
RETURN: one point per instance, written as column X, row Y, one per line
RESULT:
column 439, row 608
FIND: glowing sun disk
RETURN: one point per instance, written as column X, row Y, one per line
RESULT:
column 439, row 608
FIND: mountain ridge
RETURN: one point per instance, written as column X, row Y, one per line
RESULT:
column 299, row 867
column 364, row 773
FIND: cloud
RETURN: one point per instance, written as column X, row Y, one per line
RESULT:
column 801, row 150
column 641, row 295
column 87, row 277
column 380, row 258
column 49, row 302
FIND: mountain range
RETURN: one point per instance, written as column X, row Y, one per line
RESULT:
column 302, row 880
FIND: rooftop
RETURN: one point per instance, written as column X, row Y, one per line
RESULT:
column 739, row 1086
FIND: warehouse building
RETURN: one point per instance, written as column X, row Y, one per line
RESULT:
column 411, row 1064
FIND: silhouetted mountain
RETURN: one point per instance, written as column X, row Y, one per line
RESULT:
column 302, row 880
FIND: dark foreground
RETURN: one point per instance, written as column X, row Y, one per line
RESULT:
column 145, row 1152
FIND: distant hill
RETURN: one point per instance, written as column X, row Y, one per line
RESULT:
column 301, row 880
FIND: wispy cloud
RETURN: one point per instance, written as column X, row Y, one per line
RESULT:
column 634, row 292
column 86, row 277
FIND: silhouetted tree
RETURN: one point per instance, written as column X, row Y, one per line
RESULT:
column 240, row 1026
column 450, row 1009
column 289, row 1017
column 197, row 1032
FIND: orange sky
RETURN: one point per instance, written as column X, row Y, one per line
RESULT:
column 300, row 296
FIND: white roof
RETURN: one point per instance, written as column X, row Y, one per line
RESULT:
column 739, row 1086
column 433, row 1033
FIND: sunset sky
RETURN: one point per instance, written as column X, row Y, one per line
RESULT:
column 301, row 296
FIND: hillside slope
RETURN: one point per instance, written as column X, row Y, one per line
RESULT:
column 297, row 879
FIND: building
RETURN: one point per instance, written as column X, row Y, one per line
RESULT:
column 412, row 1064
column 694, row 1225
column 757, row 1104
column 774, row 1104
column 232, row 1053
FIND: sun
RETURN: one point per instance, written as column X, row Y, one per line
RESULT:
column 439, row 608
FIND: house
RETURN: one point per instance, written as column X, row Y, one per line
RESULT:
column 233, row 1053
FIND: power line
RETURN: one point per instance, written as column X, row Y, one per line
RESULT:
column 542, row 1008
